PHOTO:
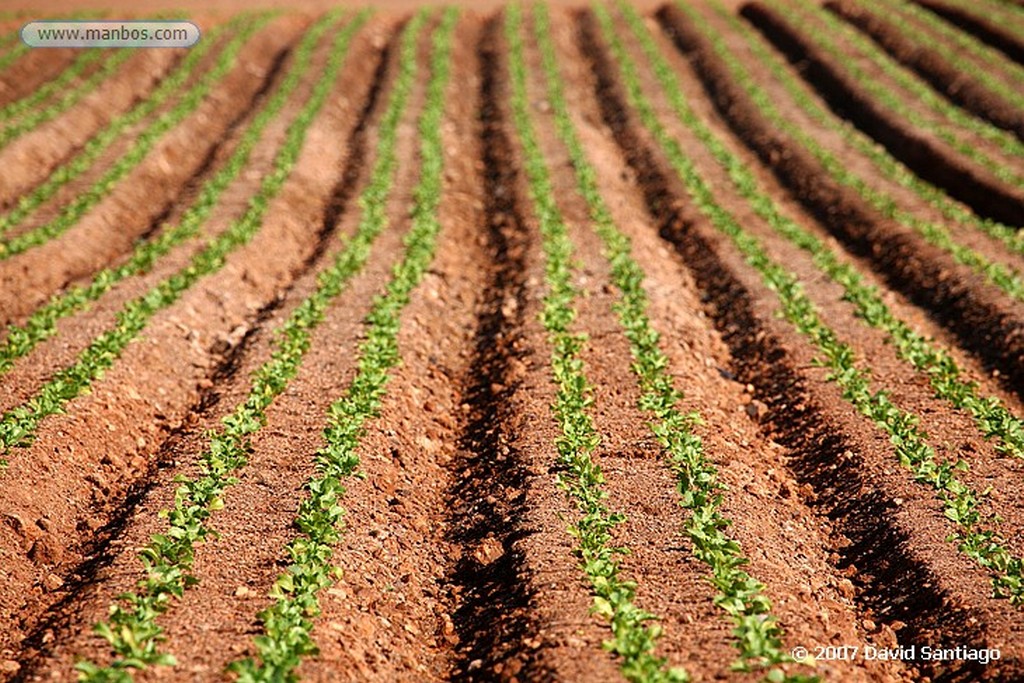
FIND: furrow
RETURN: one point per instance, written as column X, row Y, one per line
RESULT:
column 141, row 145
column 21, row 339
column 998, row 37
column 487, row 498
column 759, row 339
column 976, row 187
column 946, row 78
column 991, row 416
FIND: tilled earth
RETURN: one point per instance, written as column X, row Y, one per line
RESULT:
column 456, row 560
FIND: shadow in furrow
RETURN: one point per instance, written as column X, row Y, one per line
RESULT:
column 900, row 587
column 61, row 618
column 493, row 618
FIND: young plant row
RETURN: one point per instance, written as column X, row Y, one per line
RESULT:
column 920, row 89
column 1007, row 15
column 13, row 39
column 140, row 146
column 168, row 558
column 912, row 85
column 9, row 40
column 977, row 59
column 288, row 622
column 83, row 61
column 18, row 426
column 961, row 504
column 883, row 161
column 1002, row 276
column 758, row 635
column 13, row 54
column 990, row 414
column 633, row 640
column 113, row 131
column 42, row 324
column 31, row 118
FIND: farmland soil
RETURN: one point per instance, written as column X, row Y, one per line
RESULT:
column 456, row 561
column 916, row 589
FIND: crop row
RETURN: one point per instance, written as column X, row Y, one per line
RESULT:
column 82, row 62
column 288, row 622
column 11, row 46
column 16, row 51
column 140, row 145
column 1009, row 17
column 18, row 425
column 31, row 118
column 582, row 478
column 912, row 85
column 168, row 558
column 882, row 161
column 42, row 324
column 961, row 504
column 1004, row 277
column 758, row 636
column 9, row 40
column 939, row 36
column 991, row 415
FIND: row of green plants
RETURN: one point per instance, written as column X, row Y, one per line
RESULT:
column 1006, row 278
column 1007, row 15
column 758, row 635
column 973, row 533
column 288, row 622
column 633, row 639
column 989, row 66
column 13, row 54
column 18, row 48
column 992, row 417
column 18, row 425
column 822, row 26
column 42, row 324
column 83, row 61
column 23, row 117
column 886, row 165
column 9, row 40
column 168, row 558
column 920, row 89
column 95, row 145
column 140, row 146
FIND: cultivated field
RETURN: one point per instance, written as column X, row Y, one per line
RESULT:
column 527, row 344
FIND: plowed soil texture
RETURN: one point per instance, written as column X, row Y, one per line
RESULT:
column 375, row 273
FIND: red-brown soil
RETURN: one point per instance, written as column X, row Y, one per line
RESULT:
column 958, row 87
column 924, row 272
column 456, row 562
column 37, row 152
column 996, row 36
column 925, row 155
